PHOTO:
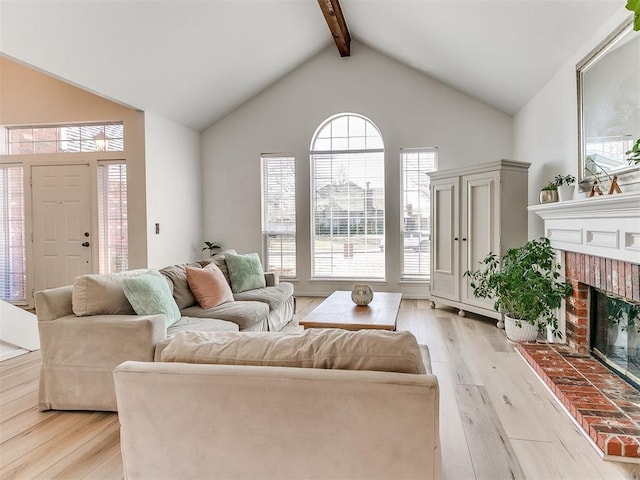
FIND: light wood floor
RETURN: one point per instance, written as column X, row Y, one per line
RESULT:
column 497, row 421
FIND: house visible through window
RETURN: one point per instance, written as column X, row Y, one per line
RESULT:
column 12, row 246
column 279, row 213
column 112, row 216
column 347, row 199
column 415, row 214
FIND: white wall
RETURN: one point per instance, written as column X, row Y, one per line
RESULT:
column 546, row 129
column 410, row 108
column 174, row 198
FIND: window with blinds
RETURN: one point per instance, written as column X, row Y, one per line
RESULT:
column 112, row 217
column 415, row 165
column 12, row 247
column 279, row 213
column 347, row 199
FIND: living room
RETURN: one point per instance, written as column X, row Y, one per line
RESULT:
column 198, row 178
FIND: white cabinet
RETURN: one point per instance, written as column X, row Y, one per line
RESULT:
column 474, row 211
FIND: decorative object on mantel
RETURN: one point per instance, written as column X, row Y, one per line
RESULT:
column 614, row 188
column 565, row 184
column 526, row 285
column 549, row 193
column 362, row 294
column 595, row 189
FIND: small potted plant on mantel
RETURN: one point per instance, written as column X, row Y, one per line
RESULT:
column 526, row 286
column 549, row 193
column 566, row 186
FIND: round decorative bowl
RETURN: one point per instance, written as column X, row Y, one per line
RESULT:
column 362, row 294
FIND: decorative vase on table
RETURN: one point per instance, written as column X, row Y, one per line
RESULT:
column 362, row 294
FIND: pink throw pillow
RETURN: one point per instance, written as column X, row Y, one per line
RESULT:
column 209, row 286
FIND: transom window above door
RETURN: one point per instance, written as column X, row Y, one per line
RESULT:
column 105, row 137
column 347, row 199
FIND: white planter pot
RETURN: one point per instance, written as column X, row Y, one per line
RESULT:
column 523, row 333
column 565, row 192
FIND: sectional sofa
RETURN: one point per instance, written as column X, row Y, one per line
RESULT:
column 88, row 328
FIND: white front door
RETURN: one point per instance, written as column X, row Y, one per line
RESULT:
column 61, row 224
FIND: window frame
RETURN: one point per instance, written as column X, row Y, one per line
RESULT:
column 378, row 220
column 266, row 233
column 8, row 245
column 421, row 277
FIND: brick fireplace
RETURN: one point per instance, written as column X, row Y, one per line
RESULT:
column 598, row 240
column 617, row 277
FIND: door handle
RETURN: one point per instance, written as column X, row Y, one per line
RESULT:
column 85, row 244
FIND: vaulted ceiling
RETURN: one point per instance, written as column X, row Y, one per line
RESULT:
column 194, row 61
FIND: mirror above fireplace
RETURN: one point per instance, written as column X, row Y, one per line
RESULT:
column 609, row 108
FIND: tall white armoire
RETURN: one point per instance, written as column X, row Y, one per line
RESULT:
column 474, row 211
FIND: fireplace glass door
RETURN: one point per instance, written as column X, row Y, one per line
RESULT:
column 615, row 327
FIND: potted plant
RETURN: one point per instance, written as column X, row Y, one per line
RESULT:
column 566, row 185
column 525, row 285
column 549, row 193
column 213, row 247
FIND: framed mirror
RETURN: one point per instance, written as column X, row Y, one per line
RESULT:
column 609, row 108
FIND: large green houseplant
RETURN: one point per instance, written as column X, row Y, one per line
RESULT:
column 525, row 285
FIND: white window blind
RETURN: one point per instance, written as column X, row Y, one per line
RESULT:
column 279, row 213
column 112, row 217
column 415, row 164
column 12, row 247
column 347, row 199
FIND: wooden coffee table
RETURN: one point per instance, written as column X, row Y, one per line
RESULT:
column 339, row 311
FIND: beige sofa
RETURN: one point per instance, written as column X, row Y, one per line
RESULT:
column 82, row 343
column 267, row 421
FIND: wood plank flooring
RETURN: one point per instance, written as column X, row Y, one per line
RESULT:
column 497, row 420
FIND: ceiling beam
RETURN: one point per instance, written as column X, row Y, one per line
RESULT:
column 337, row 25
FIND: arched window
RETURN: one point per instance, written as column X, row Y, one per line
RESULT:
column 347, row 199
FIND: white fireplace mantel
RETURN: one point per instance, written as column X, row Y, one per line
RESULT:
column 604, row 226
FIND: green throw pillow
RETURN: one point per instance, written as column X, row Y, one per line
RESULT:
column 245, row 272
column 149, row 294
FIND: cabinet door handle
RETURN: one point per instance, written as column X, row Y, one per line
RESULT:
column 464, row 239
column 455, row 238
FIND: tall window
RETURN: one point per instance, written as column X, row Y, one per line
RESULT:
column 347, row 199
column 415, row 214
column 279, row 213
column 112, row 216
column 12, row 248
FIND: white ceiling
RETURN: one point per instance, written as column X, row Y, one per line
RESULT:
column 194, row 61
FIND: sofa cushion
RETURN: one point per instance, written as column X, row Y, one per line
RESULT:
column 245, row 272
column 219, row 260
column 149, row 294
column 177, row 275
column 245, row 314
column 376, row 350
column 209, row 286
column 101, row 294
column 272, row 296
